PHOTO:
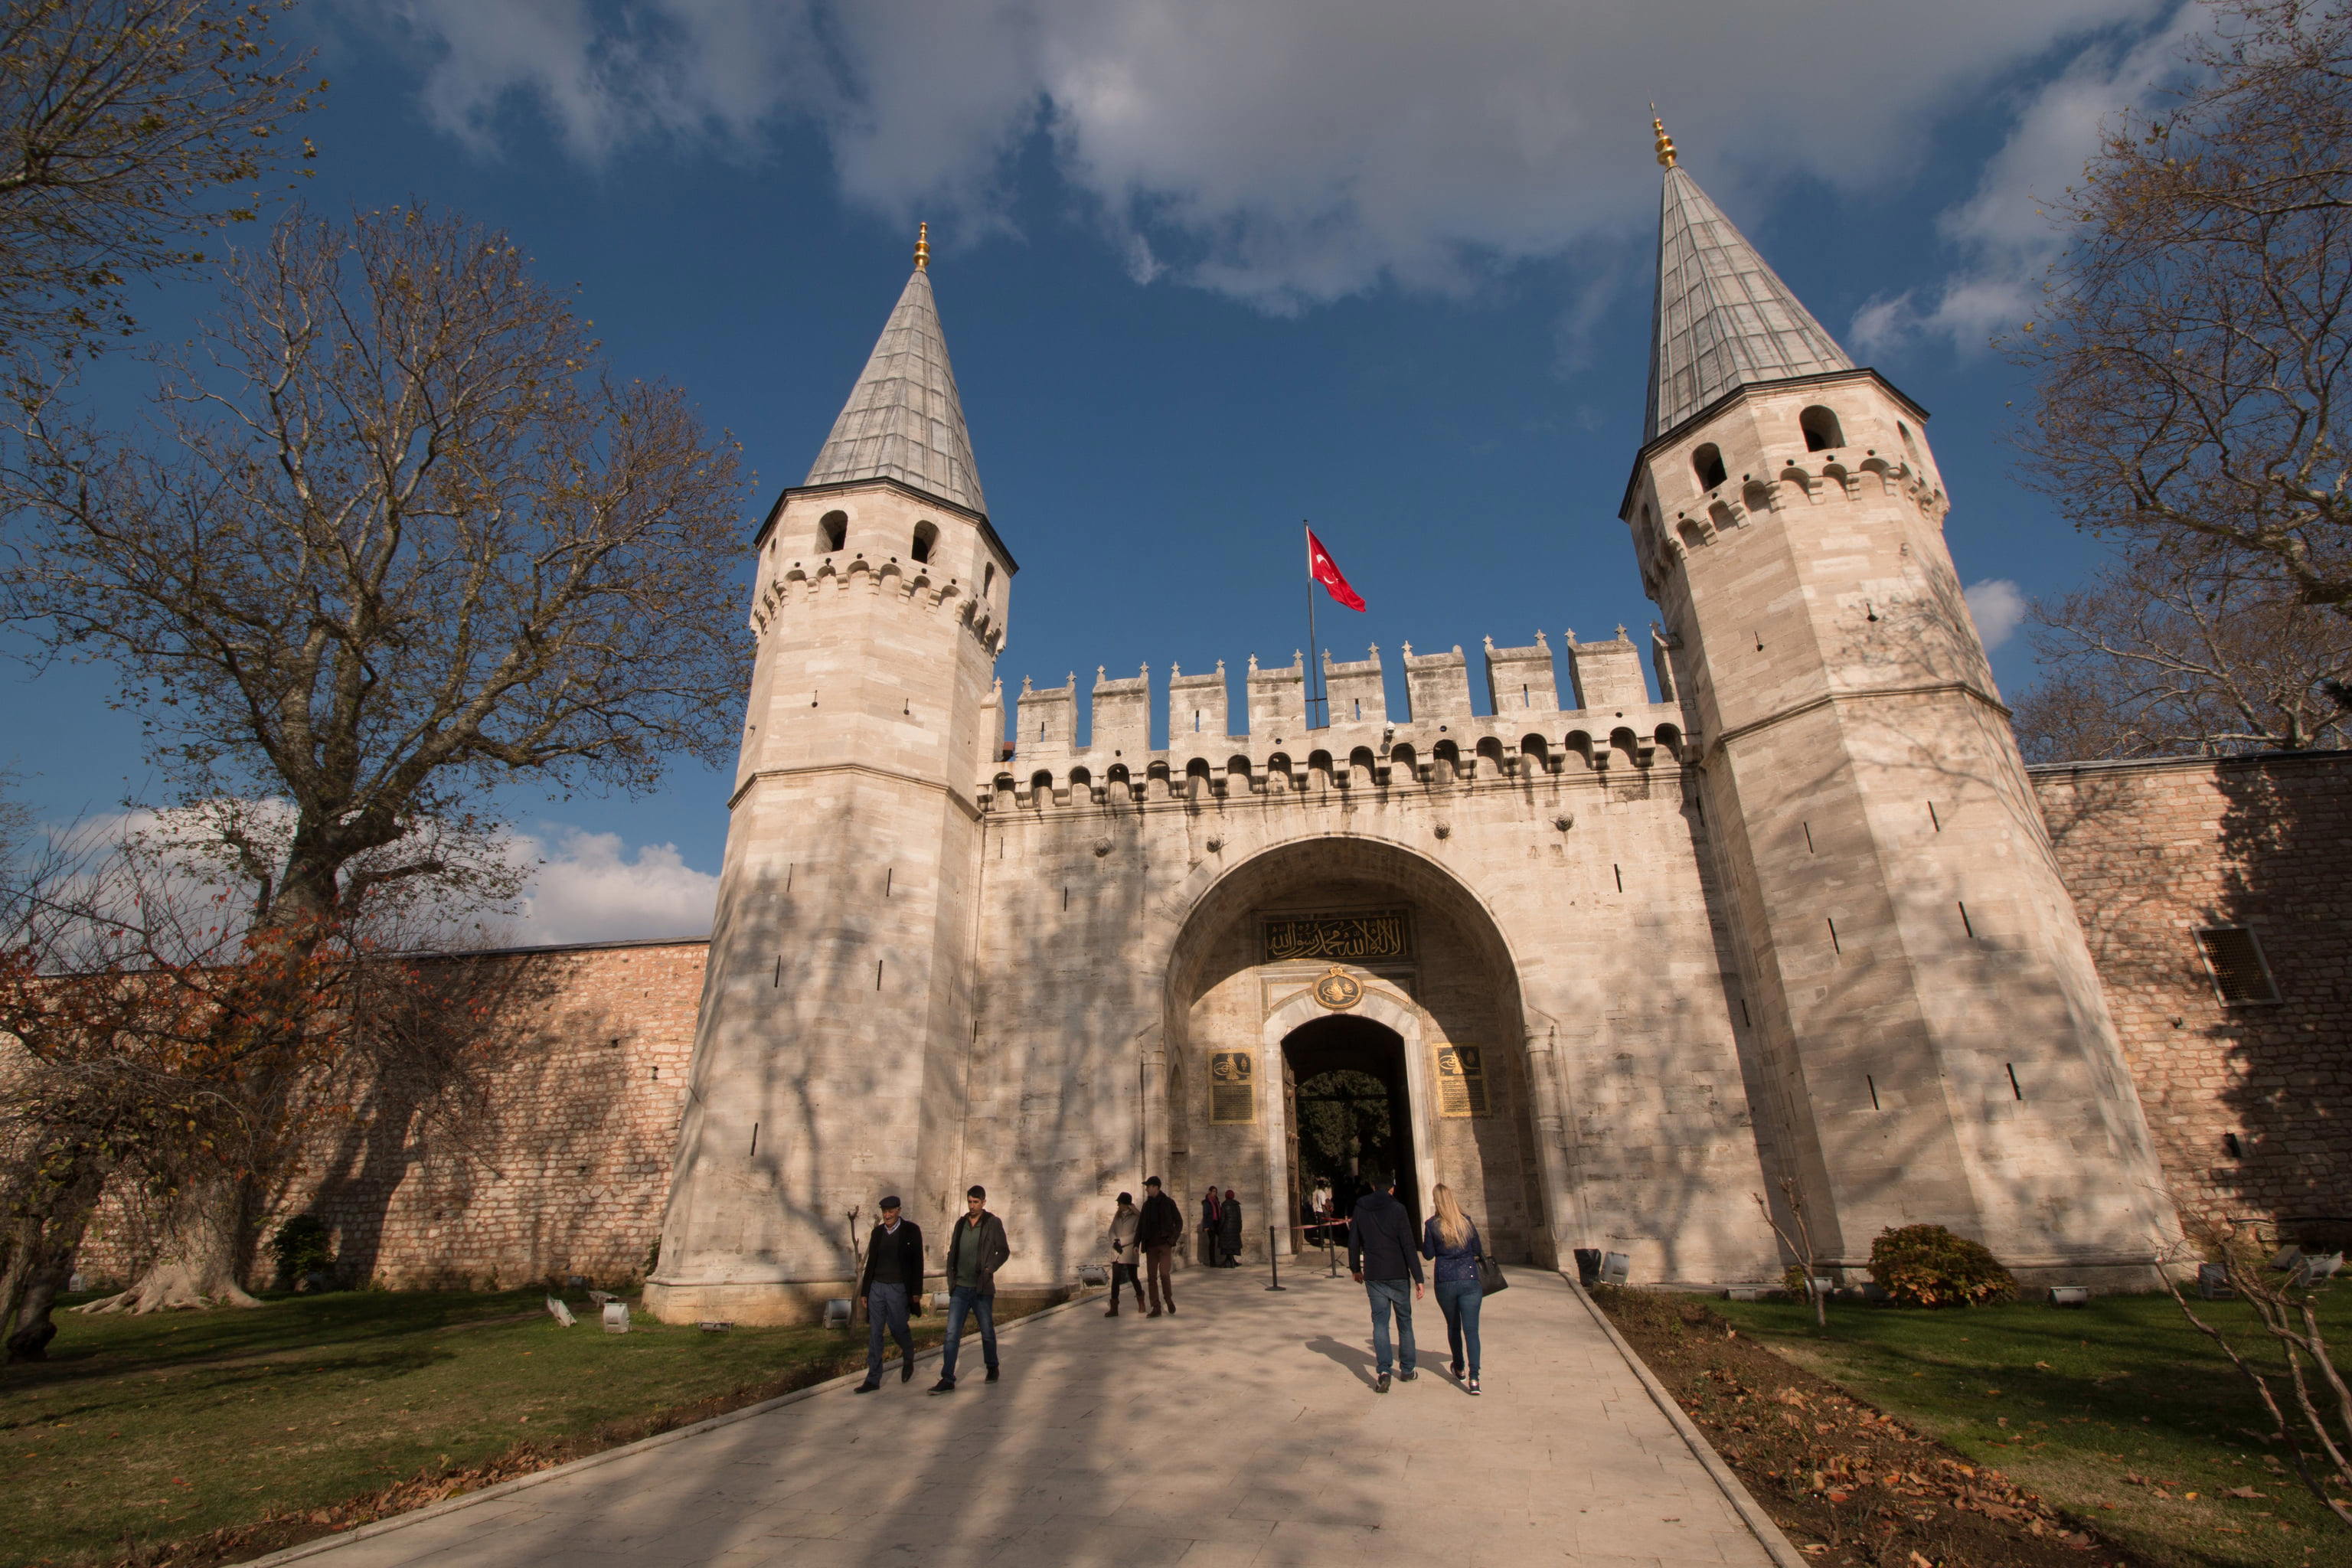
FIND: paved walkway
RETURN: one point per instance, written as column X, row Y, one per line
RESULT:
column 1243, row 1430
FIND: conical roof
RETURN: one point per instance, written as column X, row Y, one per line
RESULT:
column 903, row 420
column 1723, row 318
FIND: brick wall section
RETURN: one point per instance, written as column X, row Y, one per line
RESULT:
column 556, row 1163
column 2153, row 850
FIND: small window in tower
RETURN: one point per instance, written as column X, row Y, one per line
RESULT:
column 987, row 579
column 1707, row 463
column 833, row 532
column 927, row 535
column 1910, row 443
column 1820, row 428
column 2234, row 959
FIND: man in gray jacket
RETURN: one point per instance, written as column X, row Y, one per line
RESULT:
column 1383, row 1255
column 976, row 1251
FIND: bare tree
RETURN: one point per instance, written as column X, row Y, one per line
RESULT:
column 1799, row 1244
column 2284, row 1350
column 106, row 970
column 396, row 536
column 2183, row 651
column 2196, row 350
column 124, row 126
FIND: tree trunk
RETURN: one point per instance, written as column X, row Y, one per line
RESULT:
column 41, row 1261
column 202, row 1255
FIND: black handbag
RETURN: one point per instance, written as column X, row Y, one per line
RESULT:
column 1490, row 1273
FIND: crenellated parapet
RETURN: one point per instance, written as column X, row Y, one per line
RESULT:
column 796, row 587
column 1529, row 735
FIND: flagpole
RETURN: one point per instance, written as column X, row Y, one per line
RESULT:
column 1314, row 660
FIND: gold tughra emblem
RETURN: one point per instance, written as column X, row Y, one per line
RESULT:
column 1337, row 988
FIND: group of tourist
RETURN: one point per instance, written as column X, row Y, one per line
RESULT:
column 1383, row 1255
column 891, row 1286
column 1221, row 1229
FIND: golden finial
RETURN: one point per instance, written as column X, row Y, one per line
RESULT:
column 923, row 245
column 1666, row 142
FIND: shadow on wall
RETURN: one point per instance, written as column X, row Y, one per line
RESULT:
column 2217, row 895
column 495, row 1134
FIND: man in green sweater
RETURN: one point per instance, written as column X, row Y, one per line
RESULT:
column 976, row 1251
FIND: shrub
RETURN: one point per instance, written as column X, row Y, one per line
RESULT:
column 1927, row 1266
column 300, row 1246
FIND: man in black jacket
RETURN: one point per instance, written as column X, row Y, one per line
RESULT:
column 892, row 1281
column 1383, row 1256
column 1163, row 1226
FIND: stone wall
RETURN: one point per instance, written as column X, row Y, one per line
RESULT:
column 546, row 1154
column 2250, row 1104
column 553, row 1157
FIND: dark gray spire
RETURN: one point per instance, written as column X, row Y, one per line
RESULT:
column 903, row 420
column 1723, row 318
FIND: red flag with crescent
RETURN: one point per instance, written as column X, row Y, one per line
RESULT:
column 1325, row 571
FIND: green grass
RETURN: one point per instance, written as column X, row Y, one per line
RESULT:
column 172, row 1425
column 2073, row 1403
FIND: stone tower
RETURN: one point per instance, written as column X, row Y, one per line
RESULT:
column 1934, row 1040
column 837, row 1013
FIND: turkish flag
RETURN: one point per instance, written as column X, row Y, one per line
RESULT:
column 1324, row 570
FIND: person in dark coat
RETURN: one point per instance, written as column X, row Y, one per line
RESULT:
column 976, row 1251
column 1383, row 1255
column 1162, row 1228
column 889, row 1285
column 1213, row 1212
column 1229, row 1231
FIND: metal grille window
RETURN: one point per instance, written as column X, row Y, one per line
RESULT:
column 2234, row 959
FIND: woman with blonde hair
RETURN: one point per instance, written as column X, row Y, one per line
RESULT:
column 1452, row 1242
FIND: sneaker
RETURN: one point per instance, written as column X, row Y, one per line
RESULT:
column 944, row 1385
column 991, row 1374
column 1382, row 1386
column 1473, row 1383
column 1407, row 1375
column 1456, row 1369
column 868, row 1386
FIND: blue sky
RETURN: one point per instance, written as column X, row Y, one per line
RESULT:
column 1206, row 270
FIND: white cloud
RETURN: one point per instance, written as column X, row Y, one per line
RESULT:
column 1284, row 153
column 588, row 888
column 1999, row 606
column 2004, row 232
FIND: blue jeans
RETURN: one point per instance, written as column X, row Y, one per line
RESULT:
column 1392, row 1296
column 963, row 1302
column 1458, row 1300
column 885, row 1308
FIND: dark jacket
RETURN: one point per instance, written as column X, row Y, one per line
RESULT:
column 909, row 1241
column 1380, row 1241
column 1454, row 1264
column 1229, row 1225
column 1163, row 1223
column 993, row 1250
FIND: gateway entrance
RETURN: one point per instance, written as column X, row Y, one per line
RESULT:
column 1350, row 1113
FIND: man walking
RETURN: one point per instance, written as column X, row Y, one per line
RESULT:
column 1383, row 1256
column 1162, row 1228
column 891, row 1283
column 976, row 1251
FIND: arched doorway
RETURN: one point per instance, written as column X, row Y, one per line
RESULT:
column 1347, row 954
column 1350, row 1112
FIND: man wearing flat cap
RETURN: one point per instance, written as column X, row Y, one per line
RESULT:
column 892, row 1282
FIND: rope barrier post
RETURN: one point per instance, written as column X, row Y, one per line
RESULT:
column 1330, row 1256
column 1274, row 1256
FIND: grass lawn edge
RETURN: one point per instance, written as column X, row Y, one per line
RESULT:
column 330, row 1538
column 1759, row 1524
